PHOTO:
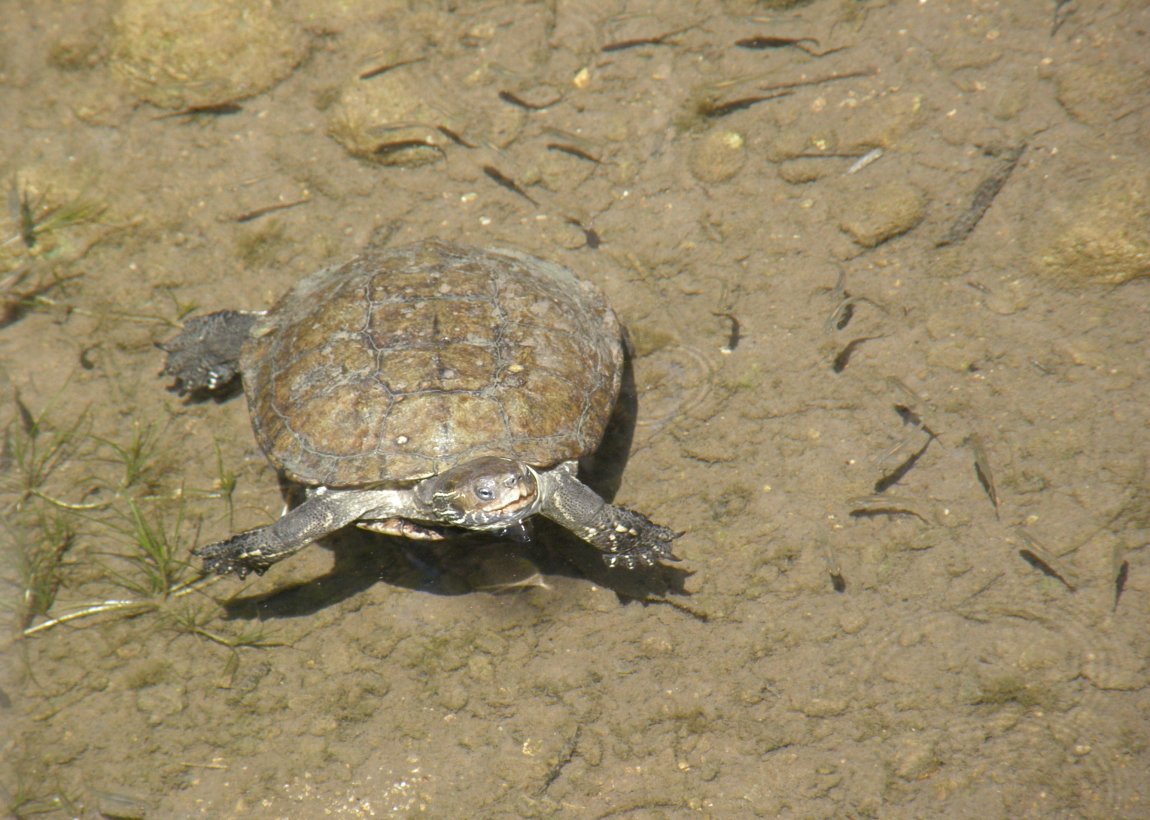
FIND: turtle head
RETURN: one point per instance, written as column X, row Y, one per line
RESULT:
column 486, row 493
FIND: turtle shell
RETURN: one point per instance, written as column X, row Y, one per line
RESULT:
column 405, row 362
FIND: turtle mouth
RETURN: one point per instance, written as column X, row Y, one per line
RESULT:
column 508, row 513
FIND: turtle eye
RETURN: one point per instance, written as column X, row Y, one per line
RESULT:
column 484, row 492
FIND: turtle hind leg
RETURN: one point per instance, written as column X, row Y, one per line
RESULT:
column 205, row 356
column 626, row 538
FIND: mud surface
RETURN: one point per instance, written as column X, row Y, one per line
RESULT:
column 885, row 268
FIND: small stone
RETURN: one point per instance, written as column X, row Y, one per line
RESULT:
column 915, row 757
column 452, row 696
column 852, row 622
column 159, row 703
column 886, row 212
column 1097, row 93
column 823, row 707
column 1096, row 233
column 802, row 170
column 393, row 120
column 718, row 156
column 177, row 55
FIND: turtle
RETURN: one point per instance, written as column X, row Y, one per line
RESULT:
column 419, row 391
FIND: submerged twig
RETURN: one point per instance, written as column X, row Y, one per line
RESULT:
column 371, row 73
column 658, row 40
column 866, row 159
column 267, row 209
column 984, row 195
column 211, row 109
column 826, row 78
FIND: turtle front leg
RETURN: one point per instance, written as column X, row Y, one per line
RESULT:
column 626, row 538
column 324, row 512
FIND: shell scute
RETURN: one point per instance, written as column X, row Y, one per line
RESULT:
column 404, row 362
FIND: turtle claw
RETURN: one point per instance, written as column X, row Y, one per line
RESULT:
column 238, row 556
column 635, row 541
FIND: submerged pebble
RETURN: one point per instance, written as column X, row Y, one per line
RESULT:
column 884, row 213
column 718, row 156
column 179, row 55
column 1097, row 234
column 392, row 119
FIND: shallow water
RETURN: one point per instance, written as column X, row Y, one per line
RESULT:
column 854, row 630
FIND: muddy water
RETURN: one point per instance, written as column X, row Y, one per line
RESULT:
column 885, row 269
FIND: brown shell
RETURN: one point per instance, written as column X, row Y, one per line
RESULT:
column 404, row 362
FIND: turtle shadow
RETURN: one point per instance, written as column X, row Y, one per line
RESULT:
column 602, row 470
column 477, row 562
column 466, row 565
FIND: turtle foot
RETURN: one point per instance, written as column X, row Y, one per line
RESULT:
column 239, row 555
column 204, row 356
column 631, row 540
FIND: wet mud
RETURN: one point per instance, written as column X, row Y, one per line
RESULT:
column 884, row 267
